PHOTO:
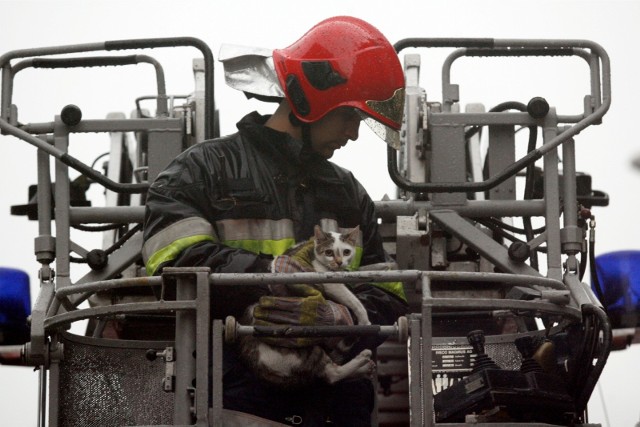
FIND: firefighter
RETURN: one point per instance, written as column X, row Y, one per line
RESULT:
column 235, row 203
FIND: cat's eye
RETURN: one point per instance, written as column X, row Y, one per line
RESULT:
column 328, row 252
column 346, row 252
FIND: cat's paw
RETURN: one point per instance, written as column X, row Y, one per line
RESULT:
column 366, row 353
column 367, row 367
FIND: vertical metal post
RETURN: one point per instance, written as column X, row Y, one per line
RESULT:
column 44, row 193
column 44, row 243
column 7, row 90
column 216, row 385
column 62, row 203
column 203, row 344
column 163, row 146
column 185, row 350
column 448, row 146
column 502, row 153
column 426, row 353
column 571, row 233
column 569, row 193
column 416, row 410
column 54, row 393
column 552, row 202
column 42, row 398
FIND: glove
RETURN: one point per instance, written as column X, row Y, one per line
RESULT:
column 310, row 310
column 298, row 304
column 297, row 260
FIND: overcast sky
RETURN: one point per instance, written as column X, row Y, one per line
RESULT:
column 605, row 151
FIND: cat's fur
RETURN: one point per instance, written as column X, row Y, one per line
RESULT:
column 295, row 367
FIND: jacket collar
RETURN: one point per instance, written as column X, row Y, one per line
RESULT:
column 280, row 144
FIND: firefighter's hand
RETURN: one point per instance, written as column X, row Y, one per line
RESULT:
column 296, row 261
column 309, row 310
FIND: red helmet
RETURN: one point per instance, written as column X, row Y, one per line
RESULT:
column 342, row 61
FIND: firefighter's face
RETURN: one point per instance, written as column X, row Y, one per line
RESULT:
column 334, row 131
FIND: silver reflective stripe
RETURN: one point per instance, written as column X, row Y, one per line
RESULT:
column 184, row 228
column 254, row 229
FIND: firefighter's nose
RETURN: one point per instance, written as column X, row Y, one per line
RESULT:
column 353, row 129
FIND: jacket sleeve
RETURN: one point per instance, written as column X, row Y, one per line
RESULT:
column 181, row 206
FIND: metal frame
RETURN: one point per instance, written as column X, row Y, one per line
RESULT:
column 561, row 294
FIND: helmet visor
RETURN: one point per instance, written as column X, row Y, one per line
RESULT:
column 384, row 132
column 385, row 117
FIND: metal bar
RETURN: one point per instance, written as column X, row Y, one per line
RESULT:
column 118, row 261
column 390, row 209
column 202, row 347
column 42, row 400
column 119, row 45
column 483, row 119
column 515, row 279
column 480, row 242
column 501, row 153
column 426, row 360
column 68, row 160
column 216, row 381
column 209, row 95
column 571, row 237
column 44, row 243
column 416, row 379
column 54, row 394
column 103, row 61
column 503, row 304
column 109, row 284
column 552, row 198
column 326, row 278
column 61, row 207
column 185, row 349
column 44, row 194
column 448, row 142
column 111, row 310
column 111, row 125
column 100, row 215
column 230, row 279
column 317, row 331
column 7, row 89
column 580, row 293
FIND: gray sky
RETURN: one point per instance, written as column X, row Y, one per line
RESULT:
column 605, row 151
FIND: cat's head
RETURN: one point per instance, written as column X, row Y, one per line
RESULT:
column 333, row 250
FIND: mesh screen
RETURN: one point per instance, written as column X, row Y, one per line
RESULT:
column 505, row 354
column 104, row 385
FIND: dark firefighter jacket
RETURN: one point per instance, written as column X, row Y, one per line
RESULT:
column 233, row 203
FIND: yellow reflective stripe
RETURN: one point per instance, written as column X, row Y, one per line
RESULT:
column 267, row 236
column 357, row 259
column 269, row 247
column 395, row 288
column 171, row 251
column 188, row 227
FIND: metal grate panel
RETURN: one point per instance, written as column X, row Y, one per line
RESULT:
column 111, row 383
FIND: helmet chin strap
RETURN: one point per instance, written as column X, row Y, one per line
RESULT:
column 305, row 128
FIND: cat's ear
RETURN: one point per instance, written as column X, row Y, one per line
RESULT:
column 352, row 235
column 318, row 233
